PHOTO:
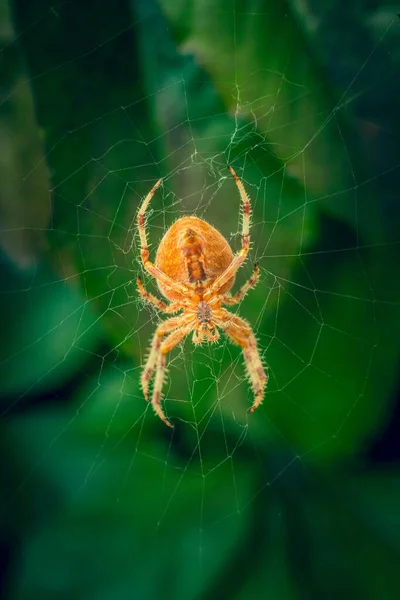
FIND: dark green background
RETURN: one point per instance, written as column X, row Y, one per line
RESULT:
column 99, row 500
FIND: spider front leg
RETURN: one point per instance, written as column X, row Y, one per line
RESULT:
column 168, row 344
column 241, row 333
column 240, row 257
column 144, row 249
column 240, row 294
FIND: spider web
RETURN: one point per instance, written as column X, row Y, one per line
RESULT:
column 324, row 310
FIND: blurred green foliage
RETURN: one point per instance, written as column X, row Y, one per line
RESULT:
column 98, row 499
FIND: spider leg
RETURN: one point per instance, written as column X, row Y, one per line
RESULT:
column 168, row 344
column 240, row 294
column 144, row 249
column 167, row 308
column 148, row 370
column 240, row 257
column 241, row 333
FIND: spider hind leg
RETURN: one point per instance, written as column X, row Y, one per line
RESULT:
column 241, row 334
column 162, row 350
column 147, row 373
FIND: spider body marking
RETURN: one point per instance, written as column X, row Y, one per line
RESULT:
column 203, row 312
column 195, row 269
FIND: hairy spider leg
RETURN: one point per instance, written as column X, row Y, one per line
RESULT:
column 144, row 249
column 163, row 329
column 241, row 333
column 149, row 297
column 167, row 345
column 167, row 308
column 240, row 294
column 240, row 257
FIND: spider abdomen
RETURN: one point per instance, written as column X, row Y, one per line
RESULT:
column 193, row 251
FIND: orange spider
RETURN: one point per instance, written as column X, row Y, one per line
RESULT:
column 195, row 269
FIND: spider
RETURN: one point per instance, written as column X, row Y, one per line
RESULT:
column 195, row 269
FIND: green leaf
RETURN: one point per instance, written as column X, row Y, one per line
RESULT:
column 352, row 542
column 275, row 83
column 49, row 331
column 24, row 193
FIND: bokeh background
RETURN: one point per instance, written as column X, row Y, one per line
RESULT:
column 99, row 500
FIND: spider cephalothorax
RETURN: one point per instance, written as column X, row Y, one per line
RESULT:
column 195, row 269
